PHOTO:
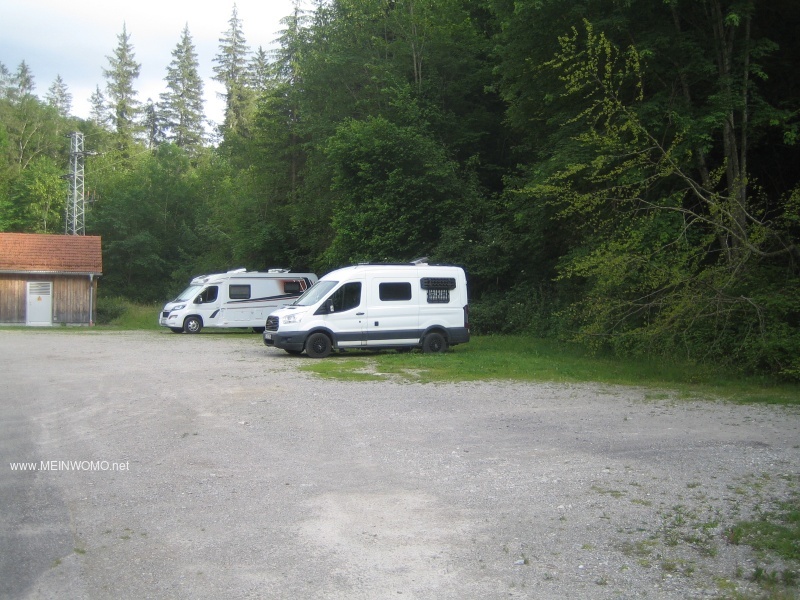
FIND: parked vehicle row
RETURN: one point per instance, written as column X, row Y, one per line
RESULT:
column 365, row 306
column 237, row 298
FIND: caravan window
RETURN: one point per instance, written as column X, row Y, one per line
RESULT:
column 239, row 292
column 292, row 287
column 389, row 292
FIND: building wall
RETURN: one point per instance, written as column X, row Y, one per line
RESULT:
column 70, row 298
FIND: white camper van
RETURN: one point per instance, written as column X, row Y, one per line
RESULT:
column 237, row 298
column 375, row 306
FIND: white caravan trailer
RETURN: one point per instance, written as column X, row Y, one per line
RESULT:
column 376, row 306
column 237, row 298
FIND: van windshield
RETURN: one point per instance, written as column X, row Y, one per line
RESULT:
column 189, row 293
column 315, row 293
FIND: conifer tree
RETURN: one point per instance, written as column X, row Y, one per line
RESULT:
column 23, row 80
column 58, row 97
column 5, row 81
column 181, row 106
column 260, row 71
column 153, row 125
column 99, row 109
column 231, row 71
column 120, row 77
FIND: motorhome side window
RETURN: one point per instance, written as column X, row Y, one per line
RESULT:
column 292, row 287
column 391, row 291
column 208, row 295
column 346, row 297
column 438, row 288
column 239, row 292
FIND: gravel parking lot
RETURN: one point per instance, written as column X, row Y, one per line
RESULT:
column 208, row 466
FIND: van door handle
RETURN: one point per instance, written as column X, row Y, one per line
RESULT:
column 359, row 314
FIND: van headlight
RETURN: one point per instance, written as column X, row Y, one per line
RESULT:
column 292, row 318
column 179, row 307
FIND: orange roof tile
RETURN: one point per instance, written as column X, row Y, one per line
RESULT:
column 35, row 252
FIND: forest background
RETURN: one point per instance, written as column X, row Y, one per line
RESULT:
column 621, row 173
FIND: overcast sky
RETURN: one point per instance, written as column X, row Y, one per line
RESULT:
column 73, row 38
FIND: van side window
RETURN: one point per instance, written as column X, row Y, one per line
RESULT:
column 391, row 291
column 239, row 292
column 346, row 297
column 209, row 294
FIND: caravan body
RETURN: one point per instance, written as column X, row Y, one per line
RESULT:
column 376, row 306
column 234, row 299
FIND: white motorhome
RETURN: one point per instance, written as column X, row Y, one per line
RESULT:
column 237, row 298
column 375, row 306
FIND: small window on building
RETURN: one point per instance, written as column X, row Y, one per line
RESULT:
column 394, row 292
column 239, row 292
column 292, row 287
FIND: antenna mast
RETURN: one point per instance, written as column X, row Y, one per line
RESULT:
column 76, row 205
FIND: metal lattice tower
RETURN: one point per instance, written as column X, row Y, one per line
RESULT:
column 76, row 204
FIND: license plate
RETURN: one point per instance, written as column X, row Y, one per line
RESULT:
column 267, row 336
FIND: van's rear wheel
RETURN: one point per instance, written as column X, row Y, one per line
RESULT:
column 192, row 325
column 434, row 342
column 318, row 345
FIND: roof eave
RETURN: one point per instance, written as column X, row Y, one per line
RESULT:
column 19, row 272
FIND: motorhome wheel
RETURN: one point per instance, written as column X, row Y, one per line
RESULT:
column 192, row 325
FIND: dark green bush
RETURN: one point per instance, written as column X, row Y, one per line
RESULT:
column 109, row 309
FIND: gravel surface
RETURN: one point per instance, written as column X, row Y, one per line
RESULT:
column 214, row 468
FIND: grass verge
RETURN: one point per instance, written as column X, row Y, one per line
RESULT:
column 517, row 358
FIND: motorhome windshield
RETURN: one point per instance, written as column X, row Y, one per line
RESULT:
column 315, row 293
column 189, row 293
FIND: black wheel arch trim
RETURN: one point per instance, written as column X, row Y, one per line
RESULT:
column 436, row 329
column 326, row 331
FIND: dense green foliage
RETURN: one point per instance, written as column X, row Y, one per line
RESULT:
column 618, row 173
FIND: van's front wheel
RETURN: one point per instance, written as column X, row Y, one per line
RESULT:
column 434, row 342
column 318, row 345
column 192, row 325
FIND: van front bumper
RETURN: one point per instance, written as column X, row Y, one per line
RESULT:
column 292, row 341
column 167, row 319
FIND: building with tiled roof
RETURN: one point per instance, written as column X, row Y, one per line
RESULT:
column 49, row 279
